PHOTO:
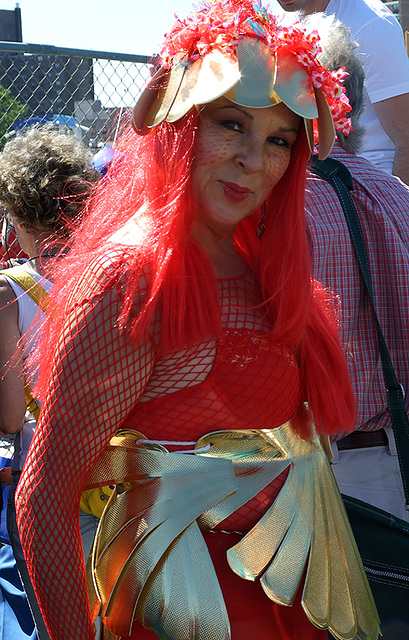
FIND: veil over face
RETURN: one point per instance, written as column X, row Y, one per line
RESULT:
column 240, row 154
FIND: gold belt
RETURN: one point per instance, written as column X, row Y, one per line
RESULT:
column 150, row 562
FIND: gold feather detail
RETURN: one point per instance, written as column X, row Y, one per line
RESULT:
column 150, row 562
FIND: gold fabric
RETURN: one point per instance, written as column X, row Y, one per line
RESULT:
column 150, row 561
column 252, row 77
column 306, row 529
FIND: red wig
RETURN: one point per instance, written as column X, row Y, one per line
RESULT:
column 149, row 188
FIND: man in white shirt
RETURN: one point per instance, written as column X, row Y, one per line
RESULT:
column 386, row 63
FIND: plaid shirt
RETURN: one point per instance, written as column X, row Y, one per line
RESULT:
column 382, row 202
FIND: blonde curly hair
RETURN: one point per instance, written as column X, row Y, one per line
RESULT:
column 46, row 177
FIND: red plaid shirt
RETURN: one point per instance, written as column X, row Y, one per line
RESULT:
column 382, row 202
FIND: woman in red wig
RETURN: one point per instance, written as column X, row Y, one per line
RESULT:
column 192, row 362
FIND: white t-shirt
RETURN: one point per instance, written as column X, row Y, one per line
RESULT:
column 383, row 53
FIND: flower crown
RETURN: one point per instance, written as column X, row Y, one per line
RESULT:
column 221, row 25
column 237, row 49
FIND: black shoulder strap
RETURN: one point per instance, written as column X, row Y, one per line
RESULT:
column 337, row 174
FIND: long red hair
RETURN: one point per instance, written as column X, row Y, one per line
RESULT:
column 149, row 183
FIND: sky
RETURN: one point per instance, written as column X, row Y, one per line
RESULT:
column 119, row 26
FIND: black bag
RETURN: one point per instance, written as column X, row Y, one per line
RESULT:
column 383, row 542
column 382, row 538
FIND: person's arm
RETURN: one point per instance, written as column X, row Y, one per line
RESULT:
column 12, row 397
column 383, row 53
column 98, row 378
column 393, row 115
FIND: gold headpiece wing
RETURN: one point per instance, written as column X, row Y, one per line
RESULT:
column 254, row 78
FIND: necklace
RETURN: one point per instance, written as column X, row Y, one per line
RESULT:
column 47, row 255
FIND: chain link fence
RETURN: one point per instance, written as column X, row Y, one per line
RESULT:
column 83, row 89
column 89, row 92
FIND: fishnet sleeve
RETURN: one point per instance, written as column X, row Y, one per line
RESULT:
column 98, row 377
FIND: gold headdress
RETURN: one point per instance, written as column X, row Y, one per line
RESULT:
column 238, row 50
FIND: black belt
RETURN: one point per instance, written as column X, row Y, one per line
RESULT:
column 361, row 439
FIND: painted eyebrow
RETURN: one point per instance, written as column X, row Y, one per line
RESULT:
column 250, row 117
column 234, row 106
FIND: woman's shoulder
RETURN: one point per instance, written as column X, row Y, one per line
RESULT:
column 8, row 303
column 7, row 295
column 114, row 273
column 20, row 283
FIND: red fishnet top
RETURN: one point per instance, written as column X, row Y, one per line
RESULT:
column 102, row 382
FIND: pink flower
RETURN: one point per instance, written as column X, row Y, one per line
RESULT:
column 344, row 126
column 318, row 79
column 340, row 74
column 337, row 91
column 305, row 59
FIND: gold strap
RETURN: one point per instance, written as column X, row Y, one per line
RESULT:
column 32, row 404
column 29, row 284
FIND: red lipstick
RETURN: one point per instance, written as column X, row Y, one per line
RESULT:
column 234, row 192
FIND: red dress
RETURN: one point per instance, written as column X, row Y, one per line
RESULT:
column 254, row 383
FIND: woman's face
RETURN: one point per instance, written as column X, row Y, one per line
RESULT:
column 240, row 155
